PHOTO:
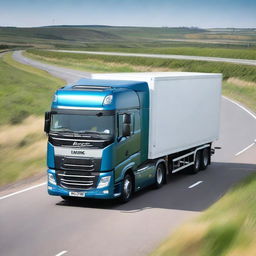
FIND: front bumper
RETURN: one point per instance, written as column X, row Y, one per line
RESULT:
column 109, row 192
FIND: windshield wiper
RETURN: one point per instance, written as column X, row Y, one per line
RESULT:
column 69, row 134
column 62, row 129
column 89, row 132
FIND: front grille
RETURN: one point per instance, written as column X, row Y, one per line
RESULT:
column 77, row 164
column 77, row 173
column 77, row 179
column 69, row 163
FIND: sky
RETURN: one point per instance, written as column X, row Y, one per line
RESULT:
column 152, row 13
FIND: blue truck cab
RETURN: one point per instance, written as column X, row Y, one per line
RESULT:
column 97, row 139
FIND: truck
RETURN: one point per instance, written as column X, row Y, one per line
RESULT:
column 114, row 134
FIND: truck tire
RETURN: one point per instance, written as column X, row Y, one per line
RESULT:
column 205, row 158
column 127, row 189
column 160, row 176
column 196, row 166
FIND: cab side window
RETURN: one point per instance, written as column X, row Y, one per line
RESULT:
column 120, row 122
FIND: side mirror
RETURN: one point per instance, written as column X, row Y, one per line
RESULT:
column 47, row 121
column 126, row 130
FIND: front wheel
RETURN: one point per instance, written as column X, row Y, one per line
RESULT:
column 159, row 178
column 127, row 188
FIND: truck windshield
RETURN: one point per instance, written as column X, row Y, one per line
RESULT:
column 82, row 124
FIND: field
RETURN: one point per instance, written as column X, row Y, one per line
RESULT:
column 185, row 50
column 239, row 80
column 227, row 228
column 25, row 93
column 231, row 43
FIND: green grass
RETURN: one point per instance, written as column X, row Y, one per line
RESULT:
column 18, row 170
column 226, row 228
column 25, row 94
column 246, row 94
column 90, row 65
column 126, row 37
column 23, row 154
column 24, row 90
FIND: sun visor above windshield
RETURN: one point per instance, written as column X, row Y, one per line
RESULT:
column 95, row 99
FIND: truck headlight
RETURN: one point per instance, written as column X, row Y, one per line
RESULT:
column 104, row 182
column 51, row 179
column 108, row 99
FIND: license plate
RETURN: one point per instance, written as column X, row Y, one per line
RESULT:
column 77, row 194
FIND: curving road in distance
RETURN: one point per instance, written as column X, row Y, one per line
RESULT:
column 166, row 56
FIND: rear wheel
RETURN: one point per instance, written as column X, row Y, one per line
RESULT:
column 160, row 175
column 196, row 166
column 127, row 188
column 205, row 158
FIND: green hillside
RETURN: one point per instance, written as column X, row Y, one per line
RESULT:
column 114, row 36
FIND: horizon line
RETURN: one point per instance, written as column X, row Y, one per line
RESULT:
column 123, row 26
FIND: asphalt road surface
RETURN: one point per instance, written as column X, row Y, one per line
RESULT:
column 33, row 223
column 167, row 56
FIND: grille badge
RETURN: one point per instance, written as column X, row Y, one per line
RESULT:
column 80, row 144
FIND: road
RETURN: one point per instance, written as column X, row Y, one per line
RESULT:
column 167, row 56
column 33, row 223
column 66, row 74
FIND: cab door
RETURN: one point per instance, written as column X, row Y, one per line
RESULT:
column 127, row 146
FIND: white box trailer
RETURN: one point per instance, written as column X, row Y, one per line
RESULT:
column 184, row 109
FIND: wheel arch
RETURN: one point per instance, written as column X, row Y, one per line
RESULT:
column 129, row 167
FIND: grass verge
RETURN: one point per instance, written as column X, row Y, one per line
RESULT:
column 25, row 93
column 24, row 90
column 223, row 229
column 241, row 91
column 22, row 150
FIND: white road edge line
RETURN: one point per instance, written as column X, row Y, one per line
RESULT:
column 61, row 253
column 195, row 184
column 23, row 190
column 242, row 151
column 240, row 106
column 248, row 112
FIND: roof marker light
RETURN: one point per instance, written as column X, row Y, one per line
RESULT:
column 108, row 99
